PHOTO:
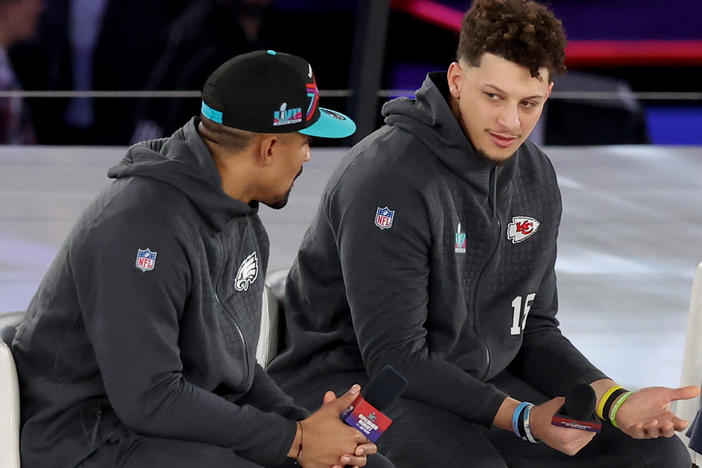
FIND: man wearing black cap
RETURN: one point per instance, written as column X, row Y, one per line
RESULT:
column 139, row 347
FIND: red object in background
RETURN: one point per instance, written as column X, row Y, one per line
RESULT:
column 584, row 53
column 626, row 53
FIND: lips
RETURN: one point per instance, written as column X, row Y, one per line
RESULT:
column 502, row 141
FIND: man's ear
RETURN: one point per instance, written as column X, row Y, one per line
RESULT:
column 266, row 148
column 455, row 79
column 550, row 89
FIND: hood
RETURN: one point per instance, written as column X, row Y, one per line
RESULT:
column 429, row 118
column 184, row 162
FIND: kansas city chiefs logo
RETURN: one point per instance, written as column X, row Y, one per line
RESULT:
column 521, row 227
column 248, row 272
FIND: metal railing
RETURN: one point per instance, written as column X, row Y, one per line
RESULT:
column 344, row 93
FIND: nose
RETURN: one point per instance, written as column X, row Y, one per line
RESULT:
column 307, row 155
column 509, row 117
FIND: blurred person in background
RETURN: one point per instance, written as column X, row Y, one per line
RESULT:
column 86, row 45
column 199, row 40
column 18, row 22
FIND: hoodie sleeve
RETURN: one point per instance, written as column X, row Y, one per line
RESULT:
column 132, row 320
column 386, row 272
column 267, row 396
column 547, row 359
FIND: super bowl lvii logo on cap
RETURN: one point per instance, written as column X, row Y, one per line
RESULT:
column 270, row 92
column 285, row 116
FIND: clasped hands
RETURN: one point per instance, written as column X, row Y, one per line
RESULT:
column 327, row 441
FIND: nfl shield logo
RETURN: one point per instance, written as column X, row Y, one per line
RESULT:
column 383, row 217
column 146, row 260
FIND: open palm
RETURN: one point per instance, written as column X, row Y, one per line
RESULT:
column 647, row 415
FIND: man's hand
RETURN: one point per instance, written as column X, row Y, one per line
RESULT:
column 327, row 441
column 563, row 439
column 367, row 448
column 646, row 414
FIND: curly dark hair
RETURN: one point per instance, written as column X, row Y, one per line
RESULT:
column 521, row 31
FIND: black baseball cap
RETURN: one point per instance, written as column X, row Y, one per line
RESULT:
column 270, row 92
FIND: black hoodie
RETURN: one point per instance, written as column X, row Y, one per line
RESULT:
column 438, row 285
column 163, row 346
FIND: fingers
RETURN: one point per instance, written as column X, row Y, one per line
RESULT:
column 566, row 440
column 353, row 460
column 650, row 429
column 679, row 424
column 366, row 449
column 657, row 429
column 552, row 406
column 345, row 400
column 666, row 426
column 653, row 429
column 685, row 393
column 572, row 444
column 328, row 397
column 667, row 429
column 358, row 437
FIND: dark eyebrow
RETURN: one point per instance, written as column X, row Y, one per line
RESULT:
column 538, row 96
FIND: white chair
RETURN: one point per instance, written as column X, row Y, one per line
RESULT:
column 9, row 410
column 269, row 336
column 692, row 360
column 266, row 350
column 9, row 393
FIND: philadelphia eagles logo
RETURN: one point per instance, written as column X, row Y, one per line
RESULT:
column 248, row 272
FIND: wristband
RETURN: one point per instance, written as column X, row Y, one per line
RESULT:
column 610, row 401
column 603, row 400
column 516, row 419
column 527, row 425
column 520, row 424
column 616, row 406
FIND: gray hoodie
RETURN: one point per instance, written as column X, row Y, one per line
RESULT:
column 148, row 319
column 428, row 258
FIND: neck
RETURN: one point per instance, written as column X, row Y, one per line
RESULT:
column 233, row 172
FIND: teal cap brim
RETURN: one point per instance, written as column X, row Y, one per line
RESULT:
column 331, row 124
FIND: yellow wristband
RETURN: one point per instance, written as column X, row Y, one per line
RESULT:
column 603, row 400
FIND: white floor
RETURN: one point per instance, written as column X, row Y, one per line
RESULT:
column 630, row 240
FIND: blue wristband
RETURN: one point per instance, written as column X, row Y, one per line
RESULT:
column 515, row 417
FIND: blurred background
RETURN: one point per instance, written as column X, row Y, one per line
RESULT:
column 119, row 71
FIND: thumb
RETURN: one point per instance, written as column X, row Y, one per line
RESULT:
column 328, row 397
column 343, row 402
column 685, row 393
column 552, row 406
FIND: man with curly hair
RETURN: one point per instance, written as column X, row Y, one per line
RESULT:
column 434, row 249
